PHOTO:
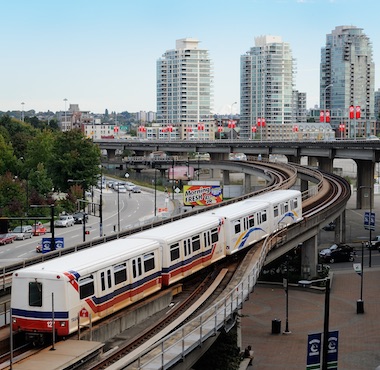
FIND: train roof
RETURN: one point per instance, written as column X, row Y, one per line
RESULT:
column 275, row 196
column 237, row 209
column 92, row 259
column 181, row 228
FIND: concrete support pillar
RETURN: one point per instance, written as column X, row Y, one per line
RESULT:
column 294, row 159
column 365, row 184
column 226, row 177
column 309, row 258
column 304, row 185
column 111, row 153
column 312, row 161
column 247, row 183
column 326, row 164
column 340, row 228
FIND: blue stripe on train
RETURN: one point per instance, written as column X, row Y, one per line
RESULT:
column 40, row 315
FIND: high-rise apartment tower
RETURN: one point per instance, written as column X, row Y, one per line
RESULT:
column 347, row 81
column 266, row 90
column 184, row 91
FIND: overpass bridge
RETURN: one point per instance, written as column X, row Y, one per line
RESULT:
column 320, row 154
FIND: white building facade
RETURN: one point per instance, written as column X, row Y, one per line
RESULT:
column 184, row 91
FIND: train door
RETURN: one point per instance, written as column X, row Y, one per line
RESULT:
column 106, row 291
column 187, row 260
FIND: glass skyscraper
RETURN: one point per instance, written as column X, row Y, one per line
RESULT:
column 347, row 81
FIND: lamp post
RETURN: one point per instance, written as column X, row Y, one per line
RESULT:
column 65, row 100
column 232, row 126
column 173, row 187
column 118, row 209
column 101, row 203
column 325, row 344
column 52, row 244
column 84, row 205
column 324, row 106
column 155, row 191
column 371, row 222
column 286, row 286
column 22, row 112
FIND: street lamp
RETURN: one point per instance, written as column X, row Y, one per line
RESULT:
column 22, row 112
column 118, row 209
column 52, row 244
column 65, row 100
column 286, row 286
column 371, row 221
column 101, row 203
column 84, row 205
column 231, row 119
column 308, row 283
column 324, row 105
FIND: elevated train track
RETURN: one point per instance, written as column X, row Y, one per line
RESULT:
column 328, row 197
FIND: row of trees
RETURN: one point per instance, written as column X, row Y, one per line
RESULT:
column 36, row 162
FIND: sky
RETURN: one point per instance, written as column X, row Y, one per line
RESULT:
column 102, row 54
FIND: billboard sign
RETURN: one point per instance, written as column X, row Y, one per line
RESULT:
column 202, row 195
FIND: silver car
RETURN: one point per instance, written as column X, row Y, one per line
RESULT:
column 23, row 232
column 64, row 221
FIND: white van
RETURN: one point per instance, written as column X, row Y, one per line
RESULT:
column 23, row 232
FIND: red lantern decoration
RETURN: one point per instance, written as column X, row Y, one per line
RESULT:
column 116, row 129
column 231, row 123
column 351, row 109
column 253, row 128
column 357, row 112
column 322, row 116
column 220, row 129
column 295, row 128
column 327, row 116
column 201, row 126
column 142, row 129
column 342, row 127
column 189, row 129
column 169, row 128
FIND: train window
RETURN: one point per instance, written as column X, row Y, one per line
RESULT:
column 35, row 294
column 103, row 283
column 295, row 203
column 109, row 278
column 263, row 216
column 286, row 207
column 206, row 239
column 136, row 267
column 214, row 235
column 196, row 243
column 86, row 286
column 275, row 211
column 237, row 227
column 174, row 252
column 149, row 262
column 120, row 273
column 251, row 221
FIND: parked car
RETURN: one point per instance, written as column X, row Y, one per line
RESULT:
column 79, row 217
column 136, row 189
column 39, row 229
column 22, row 232
column 64, row 221
column 121, row 189
column 375, row 243
column 337, row 253
column 7, row 238
column 329, row 227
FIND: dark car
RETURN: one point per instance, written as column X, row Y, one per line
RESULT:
column 79, row 217
column 337, row 253
column 329, row 227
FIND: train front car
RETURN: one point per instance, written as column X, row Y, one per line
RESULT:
column 34, row 298
column 100, row 280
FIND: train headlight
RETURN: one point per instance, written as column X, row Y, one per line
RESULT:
column 62, row 324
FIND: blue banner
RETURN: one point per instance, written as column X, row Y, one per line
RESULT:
column 332, row 350
column 314, row 351
column 369, row 220
column 46, row 244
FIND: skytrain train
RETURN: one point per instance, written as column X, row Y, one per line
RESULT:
column 106, row 278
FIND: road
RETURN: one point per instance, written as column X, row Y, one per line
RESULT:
column 133, row 210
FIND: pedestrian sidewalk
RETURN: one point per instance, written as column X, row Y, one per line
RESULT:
column 359, row 334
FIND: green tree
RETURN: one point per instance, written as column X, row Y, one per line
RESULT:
column 74, row 157
column 12, row 196
column 8, row 161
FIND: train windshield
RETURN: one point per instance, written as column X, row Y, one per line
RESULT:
column 35, row 294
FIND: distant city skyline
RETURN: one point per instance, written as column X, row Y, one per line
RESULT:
column 102, row 55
